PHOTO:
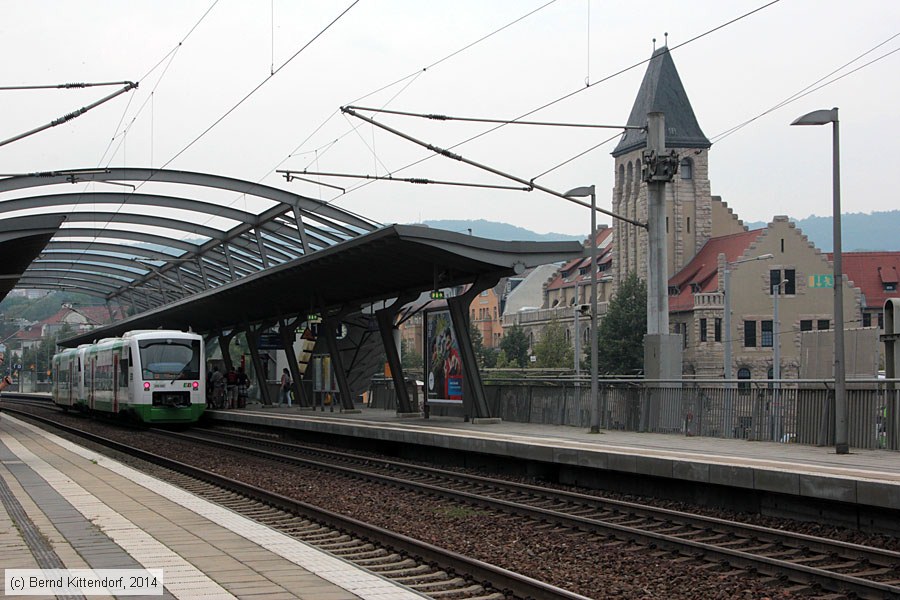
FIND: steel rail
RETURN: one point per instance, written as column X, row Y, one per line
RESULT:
column 827, row 579
column 498, row 578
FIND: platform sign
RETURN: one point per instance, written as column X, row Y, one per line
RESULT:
column 269, row 341
column 821, row 281
column 443, row 366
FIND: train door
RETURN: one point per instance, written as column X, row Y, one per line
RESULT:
column 71, row 391
column 91, row 387
column 115, row 383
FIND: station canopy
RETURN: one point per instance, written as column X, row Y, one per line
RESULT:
column 185, row 250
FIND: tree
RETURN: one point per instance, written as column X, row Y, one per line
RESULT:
column 553, row 351
column 409, row 358
column 620, row 335
column 515, row 346
column 477, row 343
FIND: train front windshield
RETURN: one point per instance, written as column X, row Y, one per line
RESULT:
column 170, row 359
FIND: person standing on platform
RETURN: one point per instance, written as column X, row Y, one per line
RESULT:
column 231, row 387
column 218, row 386
column 7, row 380
column 243, row 383
column 285, row 389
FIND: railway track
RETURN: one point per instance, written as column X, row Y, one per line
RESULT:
column 432, row 571
column 810, row 562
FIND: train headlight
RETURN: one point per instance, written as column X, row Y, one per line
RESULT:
column 196, row 385
column 146, row 386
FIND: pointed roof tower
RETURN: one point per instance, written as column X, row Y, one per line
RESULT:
column 661, row 91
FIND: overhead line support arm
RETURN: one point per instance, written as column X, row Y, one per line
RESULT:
column 477, row 165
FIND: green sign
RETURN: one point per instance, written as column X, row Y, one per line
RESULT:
column 437, row 294
column 821, row 281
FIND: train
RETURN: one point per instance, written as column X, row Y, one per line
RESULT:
column 148, row 376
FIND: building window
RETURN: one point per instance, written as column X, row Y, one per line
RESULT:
column 890, row 287
column 749, row 334
column 717, row 331
column 766, row 337
column 788, row 276
column 702, row 330
column 806, row 325
column 743, row 375
column 688, row 224
column 867, row 319
column 881, row 320
column 823, row 324
column 686, row 168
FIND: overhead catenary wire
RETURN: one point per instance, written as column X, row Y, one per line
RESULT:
column 813, row 87
column 289, row 175
column 436, row 117
column 489, row 169
column 570, row 94
column 260, row 85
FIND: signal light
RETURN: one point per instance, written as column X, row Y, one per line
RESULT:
column 196, row 385
column 437, row 294
column 146, row 386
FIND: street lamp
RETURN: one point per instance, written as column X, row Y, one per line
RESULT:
column 726, row 291
column 776, row 357
column 841, row 432
column 582, row 192
column 727, row 339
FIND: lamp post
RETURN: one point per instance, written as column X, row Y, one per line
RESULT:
column 728, row 340
column 841, row 429
column 581, row 192
column 576, row 308
column 776, row 357
column 726, row 291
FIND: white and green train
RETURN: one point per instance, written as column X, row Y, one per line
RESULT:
column 153, row 376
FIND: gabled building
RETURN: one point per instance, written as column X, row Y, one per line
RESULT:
column 877, row 275
column 799, row 272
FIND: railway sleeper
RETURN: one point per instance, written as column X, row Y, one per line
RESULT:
column 423, row 579
column 472, row 589
column 439, row 586
column 377, row 560
column 363, row 552
column 345, row 541
column 849, row 566
column 323, row 536
column 402, row 569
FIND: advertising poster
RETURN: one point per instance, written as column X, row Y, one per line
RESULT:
column 443, row 367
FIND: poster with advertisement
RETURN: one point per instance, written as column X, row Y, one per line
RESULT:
column 443, row 367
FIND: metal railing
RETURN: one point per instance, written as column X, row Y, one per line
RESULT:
column 783, row 411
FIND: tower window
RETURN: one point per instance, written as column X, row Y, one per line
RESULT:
column 686, row 168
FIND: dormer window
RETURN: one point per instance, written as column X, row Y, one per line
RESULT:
column 695, row 288
column 889, row 278
column 673, row 290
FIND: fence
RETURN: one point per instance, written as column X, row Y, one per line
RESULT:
column 787, row 411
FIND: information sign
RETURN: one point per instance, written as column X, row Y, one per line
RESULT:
column 821, row 281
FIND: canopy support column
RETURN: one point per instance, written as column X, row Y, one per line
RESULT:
column 474, row 399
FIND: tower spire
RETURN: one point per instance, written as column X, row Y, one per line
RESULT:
column 662, row 91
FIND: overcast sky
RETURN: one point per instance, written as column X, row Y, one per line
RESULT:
column 374, row 56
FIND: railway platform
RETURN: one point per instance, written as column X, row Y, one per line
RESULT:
column 866, row 481
column 67, row 507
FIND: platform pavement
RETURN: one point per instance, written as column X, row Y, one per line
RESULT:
column 864, row 477
column 68, row 507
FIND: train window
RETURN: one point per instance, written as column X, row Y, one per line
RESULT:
column 169, row 359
